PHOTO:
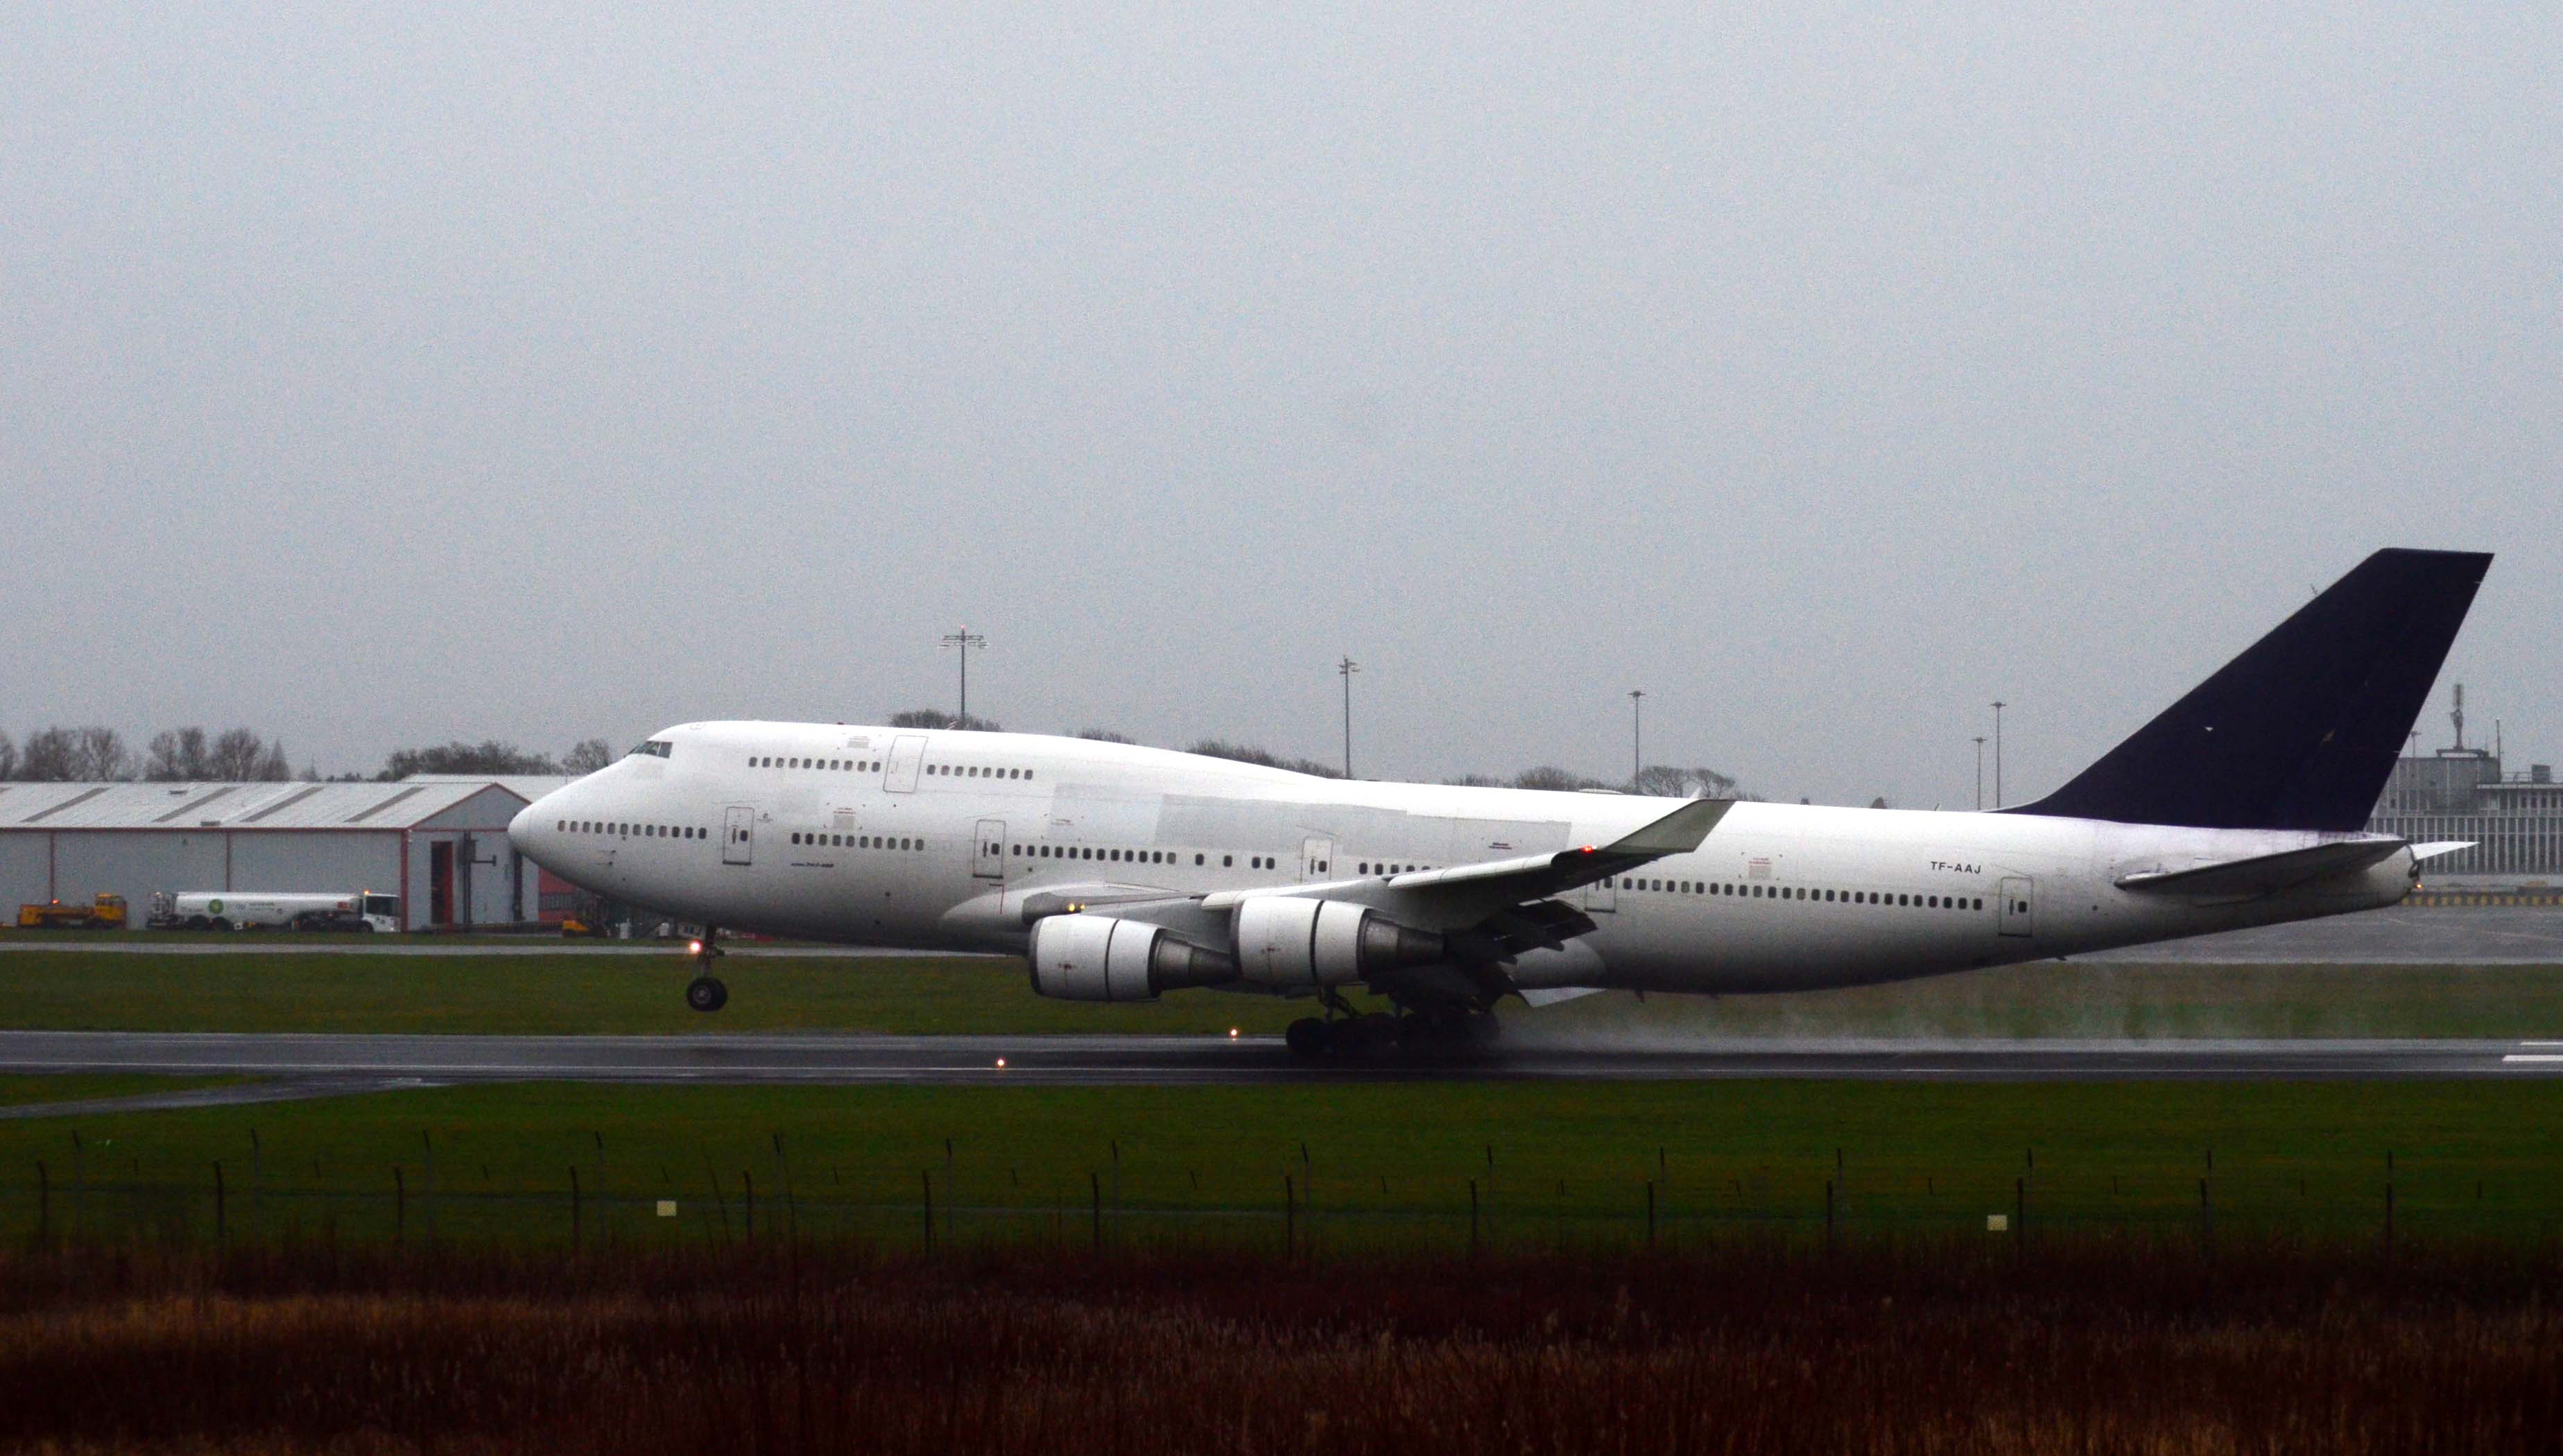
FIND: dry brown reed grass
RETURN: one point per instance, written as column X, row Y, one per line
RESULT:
column 2105, row 1347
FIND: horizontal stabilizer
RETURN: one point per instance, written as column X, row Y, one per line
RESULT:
column 2437, row 847
column 2264, row 874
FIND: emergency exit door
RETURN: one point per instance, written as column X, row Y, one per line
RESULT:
column 738, row 835
column 2019, row 906
column 1317, row 859
column 990, row 860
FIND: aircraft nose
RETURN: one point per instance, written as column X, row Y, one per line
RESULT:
column 521, row 830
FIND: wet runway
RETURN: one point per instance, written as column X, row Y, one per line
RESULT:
column 2403, row 936
column 329, row 1066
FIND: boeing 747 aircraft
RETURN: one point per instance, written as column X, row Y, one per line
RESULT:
column 1122, row 873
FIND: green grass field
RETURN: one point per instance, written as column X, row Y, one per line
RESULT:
column 20, row 1089
column 637, row 992
column 1366, row 1163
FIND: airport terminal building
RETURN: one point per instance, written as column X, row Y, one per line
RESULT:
column 2515, row 820
column 440, row 845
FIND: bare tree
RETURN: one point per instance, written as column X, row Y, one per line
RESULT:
column 177, row 756
column 1551, row 777
column 486, row 757
column 236, row 755
column 1248, row 754
column 1102, row 735
column 937, row 718
column 8, row 758
column 1668, row 782
column 90, row 752
column 50, row 757
column 587, row 756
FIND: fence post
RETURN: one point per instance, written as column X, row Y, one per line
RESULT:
column 2206, row 1220
column 573, row 1207
column 221, row 1224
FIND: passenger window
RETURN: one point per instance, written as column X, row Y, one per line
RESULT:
column 1227, row 861
column 1200, row 858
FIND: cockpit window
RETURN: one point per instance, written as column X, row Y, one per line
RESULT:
column 654, row 748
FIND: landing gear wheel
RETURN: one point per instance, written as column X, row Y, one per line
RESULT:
column 221, row 922
column 1309, row 1038
column 706, row 993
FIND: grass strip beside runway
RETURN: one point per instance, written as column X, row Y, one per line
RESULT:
column 626, row 993
column 20, row 1089
column 1333, row 1167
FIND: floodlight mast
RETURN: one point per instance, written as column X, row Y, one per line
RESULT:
column 965, row 639
column 1345, row 669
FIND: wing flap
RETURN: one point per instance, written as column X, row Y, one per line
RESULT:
column 2264, row 875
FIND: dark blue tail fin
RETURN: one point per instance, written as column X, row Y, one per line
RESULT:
column 2301, row 731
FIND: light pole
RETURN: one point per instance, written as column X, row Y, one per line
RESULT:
column 1998, row 796
column 1345, row 669
column 965, row 639
column 1637, row 753
column 1980, row 771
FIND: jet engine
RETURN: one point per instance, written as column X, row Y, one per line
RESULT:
column 1099, row 958
column 1291, row 941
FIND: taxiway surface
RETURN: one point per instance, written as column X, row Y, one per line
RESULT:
column 329, row 1066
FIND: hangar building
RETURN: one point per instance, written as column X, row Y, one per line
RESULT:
column 441, row 846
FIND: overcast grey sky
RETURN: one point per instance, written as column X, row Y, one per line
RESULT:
column 1826, row 371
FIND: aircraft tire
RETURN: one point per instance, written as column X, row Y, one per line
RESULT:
column 1309, row 1038
column 220, row 922
column 706, row 993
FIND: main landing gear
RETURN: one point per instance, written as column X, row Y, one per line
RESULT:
column 705, row 992
column 1346, row 1035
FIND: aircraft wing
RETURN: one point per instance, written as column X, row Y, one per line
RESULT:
column 1510, row 902
column 2264, row 875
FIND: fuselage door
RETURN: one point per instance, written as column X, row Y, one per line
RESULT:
column 2019, row 906
column 1317, row 859
column 1600, row 895
column 738, row 835
column 989, row 862
column 906, row 755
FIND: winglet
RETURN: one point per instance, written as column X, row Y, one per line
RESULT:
column 1678, row 833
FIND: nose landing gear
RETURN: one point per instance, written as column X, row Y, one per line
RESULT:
column 705, row 992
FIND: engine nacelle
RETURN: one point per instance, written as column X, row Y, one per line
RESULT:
column 1099, row 958
column 1289, row 939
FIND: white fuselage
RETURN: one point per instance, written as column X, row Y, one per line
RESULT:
column 934, row 839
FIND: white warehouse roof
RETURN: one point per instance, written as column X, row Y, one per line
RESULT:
column 285, row 806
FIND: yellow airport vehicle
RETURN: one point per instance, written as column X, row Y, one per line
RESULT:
column 106, row 912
